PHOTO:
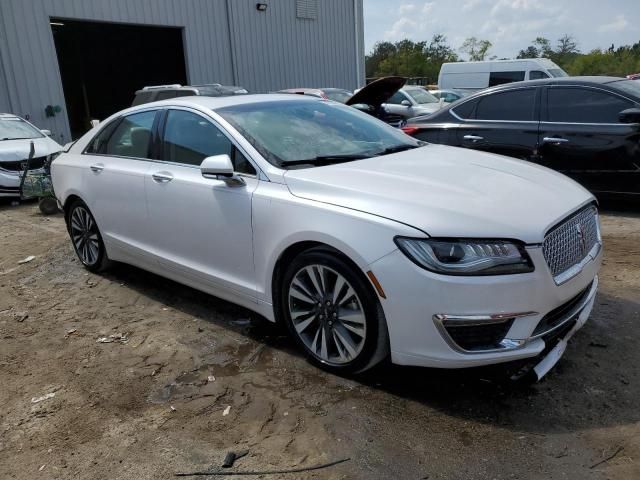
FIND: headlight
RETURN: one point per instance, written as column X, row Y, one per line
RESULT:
column 466, row 257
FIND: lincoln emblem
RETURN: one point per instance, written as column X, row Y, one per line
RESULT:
column 583, row 243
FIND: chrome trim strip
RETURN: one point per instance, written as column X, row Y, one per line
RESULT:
column 507, row 343
column 571, row 272
column 475, row 320
column 573, row 312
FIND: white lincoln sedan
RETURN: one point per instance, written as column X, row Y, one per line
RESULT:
column 363, row 241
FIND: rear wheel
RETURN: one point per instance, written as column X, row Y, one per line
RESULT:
column 86, row 238
column 333, row 313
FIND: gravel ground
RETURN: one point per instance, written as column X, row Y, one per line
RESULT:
column 152, row 401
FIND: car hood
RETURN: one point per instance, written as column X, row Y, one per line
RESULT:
column 378, row 91
column 448, row 192
column 12, row 150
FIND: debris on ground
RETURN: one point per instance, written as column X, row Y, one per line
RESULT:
column 597, row 345
column 241, row 322
column 116, row 337
column 610, row 457
column 26, row 259
column 70, row 332
column 43, row 398
column 226, row 411
column 211, row 378
column 231, row 457
column 265, row 472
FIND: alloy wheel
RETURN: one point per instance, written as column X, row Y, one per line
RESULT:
column 84, row 234
column 327, row 314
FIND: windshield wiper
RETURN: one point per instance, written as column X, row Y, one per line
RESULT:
column 325, row 159
column 396, row 149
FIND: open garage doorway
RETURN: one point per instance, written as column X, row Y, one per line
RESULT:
column 103, row 64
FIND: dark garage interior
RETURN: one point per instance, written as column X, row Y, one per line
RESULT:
column 103, row 64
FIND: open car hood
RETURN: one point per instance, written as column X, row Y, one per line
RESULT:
column 378, row 91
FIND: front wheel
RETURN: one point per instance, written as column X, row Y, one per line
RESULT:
column 333, row 313
column 86, row 238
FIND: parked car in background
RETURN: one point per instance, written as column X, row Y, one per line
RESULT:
column 411, row 101
column 336, row 94
column 365, row 242
column 473, row 76
column 371, row 99
column 163, row 92
column 448, row 96
column 585, row 127
column 16, row 136
column 634, row 76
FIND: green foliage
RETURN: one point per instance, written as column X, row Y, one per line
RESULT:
column 424, row 59
column 410, row 59
column 615, row 62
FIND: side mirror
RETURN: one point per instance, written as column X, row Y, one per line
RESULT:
column 630, row 115
column 94, row 123
column 405, row 103
column 217, row 166
column 46, row 132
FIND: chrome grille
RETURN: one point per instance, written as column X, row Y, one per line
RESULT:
column 570, row 242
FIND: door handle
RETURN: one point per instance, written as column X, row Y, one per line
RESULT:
column 473, row 138
column 97, row 167
column 162, row 177
column 556, row 140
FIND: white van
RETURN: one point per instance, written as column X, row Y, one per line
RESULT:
column 472, row 76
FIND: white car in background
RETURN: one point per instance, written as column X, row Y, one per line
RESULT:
column 365, row 242
column 16, row 135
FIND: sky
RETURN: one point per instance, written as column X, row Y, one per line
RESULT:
column 510, row 25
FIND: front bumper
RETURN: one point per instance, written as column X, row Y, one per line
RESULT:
column 418, row 301
column 9, row 184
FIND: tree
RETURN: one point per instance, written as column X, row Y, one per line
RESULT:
column 566, row 46
column 476, row 49
column 529, row 52
column 544, row 47
column 410, row 59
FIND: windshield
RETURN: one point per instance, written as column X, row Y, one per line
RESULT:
column 630, row 87
column 557, row 72
column 338, row 95
column 421, row 96
column 296, row 131
column 14, row 128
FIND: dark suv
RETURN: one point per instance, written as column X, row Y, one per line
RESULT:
column 165, row 92
column 585, row 127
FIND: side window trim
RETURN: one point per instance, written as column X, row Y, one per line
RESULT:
column 234, row 144
column 544, row 113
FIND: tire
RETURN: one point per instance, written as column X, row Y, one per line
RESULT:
column 323, row 297
column 86, row 238
column 48, row 205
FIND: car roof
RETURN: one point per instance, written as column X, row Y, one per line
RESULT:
column 214, row 103
column 559, row 81
column 9, row 115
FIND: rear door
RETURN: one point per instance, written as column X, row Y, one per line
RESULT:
column 117, row 160
column 502, row 122
column 200, row 228
column 580, row 136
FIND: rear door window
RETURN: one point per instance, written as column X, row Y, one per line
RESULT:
column 499, row 78
column 518, row 105
column 584, row 105
column 132, row 136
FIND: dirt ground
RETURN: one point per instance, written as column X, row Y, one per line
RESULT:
column 153, row 403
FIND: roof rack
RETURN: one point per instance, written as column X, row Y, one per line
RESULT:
column 157, row 87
